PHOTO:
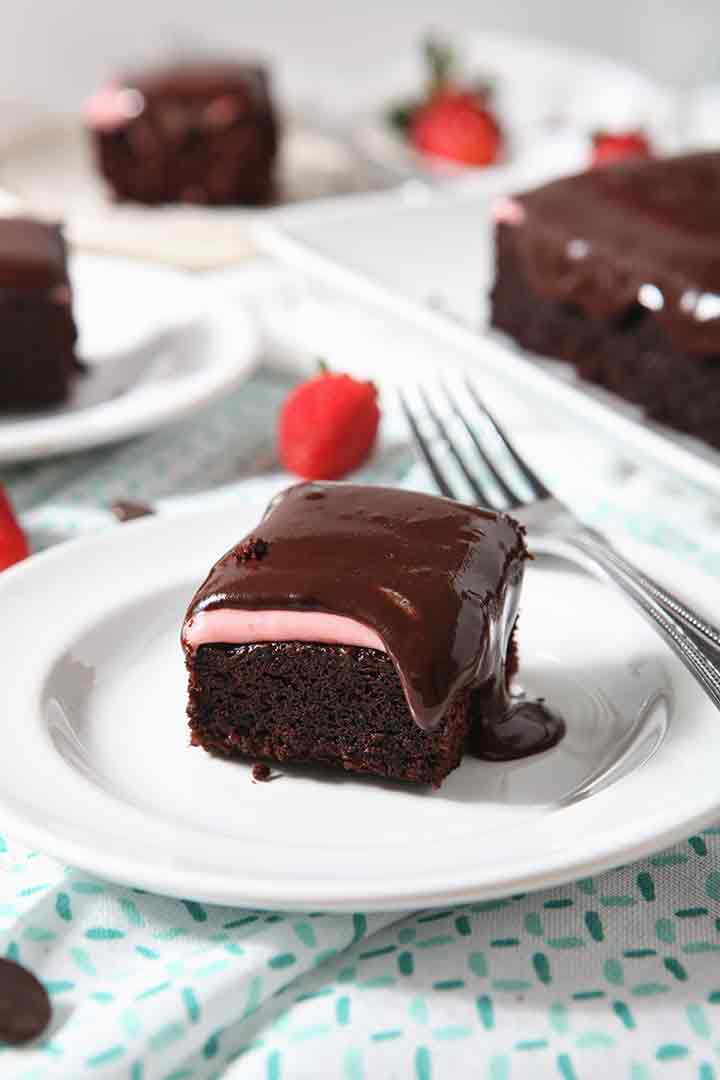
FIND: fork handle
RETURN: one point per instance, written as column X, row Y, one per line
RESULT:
column 593, row 546
column 692, row 620
column 699, row 655
column 672, row 604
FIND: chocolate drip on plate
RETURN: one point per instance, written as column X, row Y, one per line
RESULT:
column 504, row 727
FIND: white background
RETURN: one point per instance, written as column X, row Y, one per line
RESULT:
column 52, row 52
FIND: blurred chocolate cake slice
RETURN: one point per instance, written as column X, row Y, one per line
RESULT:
column 617, row 270
column 203, row 132
column 37, row 356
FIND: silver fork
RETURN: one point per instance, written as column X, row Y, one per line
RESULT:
column 552, row 527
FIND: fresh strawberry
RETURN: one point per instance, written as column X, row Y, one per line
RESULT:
column 457, row 126
column 452, row 119
column 328, row 426
column 13, row 545
column 608, row 147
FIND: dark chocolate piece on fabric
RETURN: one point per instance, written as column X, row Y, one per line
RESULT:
column 24, row 1004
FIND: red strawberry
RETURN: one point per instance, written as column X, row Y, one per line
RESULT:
column 457, row 126
column 13, row 545
column 609, row 147
column 328, row 426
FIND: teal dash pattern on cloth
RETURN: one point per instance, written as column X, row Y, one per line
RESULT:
column 613, row 976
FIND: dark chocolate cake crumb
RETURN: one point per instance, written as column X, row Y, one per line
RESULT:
column 24, row 1004
column 253, row 549
column 260, row 772
column 130, row 509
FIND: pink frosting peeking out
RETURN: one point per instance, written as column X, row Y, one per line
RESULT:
column 508, row 211
column 232, row 626
column 112, row 106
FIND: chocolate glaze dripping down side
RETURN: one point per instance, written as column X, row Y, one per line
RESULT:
column 504, row 727
column 438, row 581
column 635, row 238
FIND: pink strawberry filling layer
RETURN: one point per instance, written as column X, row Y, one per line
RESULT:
column 112, row 106
column 508, row 211
column 231, row 626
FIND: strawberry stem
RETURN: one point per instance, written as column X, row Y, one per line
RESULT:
column 439, row 60
column 400, row 117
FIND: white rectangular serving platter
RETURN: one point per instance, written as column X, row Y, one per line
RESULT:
column 425, row 255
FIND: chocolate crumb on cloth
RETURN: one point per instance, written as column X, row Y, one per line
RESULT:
column 24, row 1004
column 130, row 509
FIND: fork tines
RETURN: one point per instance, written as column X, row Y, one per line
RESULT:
column 465, row 449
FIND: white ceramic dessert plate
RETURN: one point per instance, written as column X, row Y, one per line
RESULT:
column 96, row 768
column 46, row 165
column 157, row 343
column 428, row 258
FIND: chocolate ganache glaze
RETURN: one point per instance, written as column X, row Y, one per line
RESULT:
column 32, row 255
column 638, row 232
column 438, row 581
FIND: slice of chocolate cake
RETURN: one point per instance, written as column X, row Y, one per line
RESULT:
column 362, row 627
column 194, row 133
column 37, row 358
column 617, row 270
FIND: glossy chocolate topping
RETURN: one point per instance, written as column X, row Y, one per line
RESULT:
column 201, row 80
column 438, row 581
column 506, row 727
column 636, row 233
column 32, row 254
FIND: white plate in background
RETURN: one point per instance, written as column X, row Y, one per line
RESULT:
column 97, row 769
column 47, row 166
column 157, row 343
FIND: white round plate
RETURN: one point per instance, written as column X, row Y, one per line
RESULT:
column 157, row 344
column 538, row 88
column 47, row 164
column 96, row 767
